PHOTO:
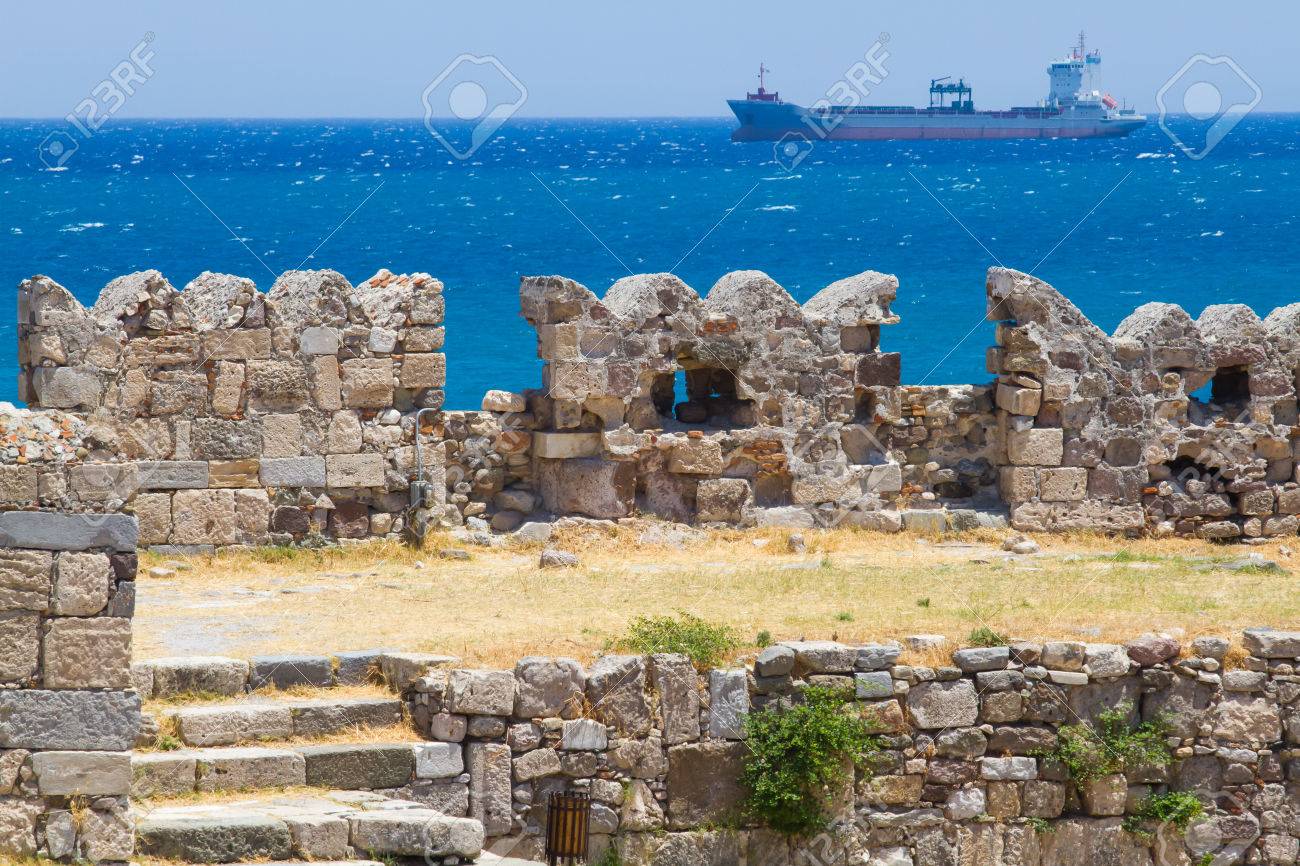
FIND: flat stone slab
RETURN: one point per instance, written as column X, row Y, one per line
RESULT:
column 191, row 674
column 363, row 767
column 227, row 725
column 242, row 768
column 286, row 671
column 51, row 530
column 219, row 838
column 416, row 833
column 315, row 718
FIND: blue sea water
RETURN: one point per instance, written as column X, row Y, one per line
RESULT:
column 1112, row 223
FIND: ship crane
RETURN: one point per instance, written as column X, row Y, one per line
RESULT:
column 962, row 91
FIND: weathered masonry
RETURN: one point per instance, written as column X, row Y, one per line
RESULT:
column 220, row 415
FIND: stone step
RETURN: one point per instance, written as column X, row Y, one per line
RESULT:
column 332, row 826
column 259, row 720
column 353, row 766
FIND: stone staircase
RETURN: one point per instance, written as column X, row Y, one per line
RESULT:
column 234, row 789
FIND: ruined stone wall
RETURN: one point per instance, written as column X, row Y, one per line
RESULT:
column 68, row 712
column 221, row 415
column 962, row 776
column 1106, row 432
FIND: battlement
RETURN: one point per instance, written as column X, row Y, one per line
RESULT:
column 220, row 414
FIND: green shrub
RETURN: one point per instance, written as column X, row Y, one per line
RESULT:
column 844, row 616
column 985, row 636
column 796, row 759
column 763, row 640
column 705, row 642
column 1176, row 808
column 1112, row 746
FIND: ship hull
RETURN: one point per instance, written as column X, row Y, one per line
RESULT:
column 775, row 121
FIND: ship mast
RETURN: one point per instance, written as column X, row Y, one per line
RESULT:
column 761, row 70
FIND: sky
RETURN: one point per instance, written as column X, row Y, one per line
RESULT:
column 609, row 59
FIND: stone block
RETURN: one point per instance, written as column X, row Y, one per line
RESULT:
column 1008, row 769
column 490, row 786
column 87, row 653
column 286, row 671
column 1272, row 643
column 293, row 472
column 728, row 704
column 359, row 767
column 1037, row 446
column 67, row 387
column 579, row 735
column 423, row 370
column 343, row 436
column 355, row 470
column 566, row 446
column 320, row 837
column 104, row 482
column 227, row 725
column 20, row 646
column 722, row 500
column 1019, row 401
column 675, row 681
column 77, row 720
column 315, row 718
column 400, row 670
column 18, row 485
column 223, row 439
column 198, row 674
column 350, row 520
column 547, row 687
column 873, row 686
column 596, row 488
column 320, row 340
column 504, row 401
column 1067, row 484
column 536, row 764
column 438, row 760
column 66, row 774
column 977, row 659
column 367, row 383
column 1105, row 796
column 241, row 344
column 325, row 384
column 616, row 690
column 696, row 457
column 81, row 584
column 154, row 513
column 416, row 833
column 822, row 657
column 943, row 704
column 220, row 838
column 204, row 517
column 356, row 667
column 281, row 435
column 233, row 473
column 276, row 385
column 26, row 577
column 704, row 784
column 241, row 768
column 172, row 474
column 483, row 693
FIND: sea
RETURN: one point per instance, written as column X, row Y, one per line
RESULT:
column 1111, row 223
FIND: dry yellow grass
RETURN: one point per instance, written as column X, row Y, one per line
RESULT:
column 849, row 584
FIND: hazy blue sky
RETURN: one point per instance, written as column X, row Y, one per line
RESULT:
column 666, row 57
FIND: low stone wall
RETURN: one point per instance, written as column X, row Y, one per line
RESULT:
column 962, row 777
column 68, row 713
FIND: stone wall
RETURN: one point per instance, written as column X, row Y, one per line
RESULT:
column 961, row 777
column 223, row 416
column 68, row 712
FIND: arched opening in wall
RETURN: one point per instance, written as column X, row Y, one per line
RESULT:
column 701, row 394
column 1227, row 394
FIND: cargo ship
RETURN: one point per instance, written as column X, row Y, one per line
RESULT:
column 1072, row 109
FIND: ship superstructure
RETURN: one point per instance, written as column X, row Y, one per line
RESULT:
column 1072, row 109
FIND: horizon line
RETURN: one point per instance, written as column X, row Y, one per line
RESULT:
column 420, row 119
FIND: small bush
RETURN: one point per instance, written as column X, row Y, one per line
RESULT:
column 1111, row 747
column 844, row 616
column 985, row 636
column 923, row 602
column 763, row 640
column 1176, row 808
column 706, row 643
column 796, row 759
